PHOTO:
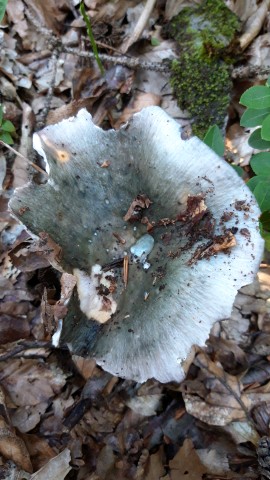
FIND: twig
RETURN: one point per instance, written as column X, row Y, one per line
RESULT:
column 125, row 271
column 55, row 46
column 36, row 167
column 140, row 26
column 254, row 25
column 49, row 94
column 24, row 346
column 251, row 71
column 133, row 63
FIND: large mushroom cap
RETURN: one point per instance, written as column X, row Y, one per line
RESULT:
column 181, row 275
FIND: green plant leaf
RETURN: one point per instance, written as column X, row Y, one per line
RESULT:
column 262, row 194
column 3, row 4
column 238, row 170
column 256, row 140
column 155, row 42
column 266, row 236
column 266, row 128
column 257, row 97
column 213, row 138
column 254, row 181
column 260, row 163
column 6, row 137
column 254, row 118
column 7, row 126
column 265, row 221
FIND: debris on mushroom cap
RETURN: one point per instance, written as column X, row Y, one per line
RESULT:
column 197, row 207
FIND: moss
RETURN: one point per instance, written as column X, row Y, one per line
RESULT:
column 201, row 77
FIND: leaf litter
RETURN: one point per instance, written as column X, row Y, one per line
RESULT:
column 61, row 416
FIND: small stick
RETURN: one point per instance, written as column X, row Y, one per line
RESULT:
column 140, row 26
column 21, row 347
column 36, row 167
column 120, row 239
column 134, row 63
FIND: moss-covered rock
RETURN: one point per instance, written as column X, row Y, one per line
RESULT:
column 201, row 77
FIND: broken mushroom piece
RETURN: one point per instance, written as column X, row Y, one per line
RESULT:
column 159, row 241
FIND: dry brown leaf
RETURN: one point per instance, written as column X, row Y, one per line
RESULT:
column 136, row 208
column 221, row 400
column 39, row 450
column 57, row 468
column 186, row 464
column 229, row 354
column 30, row 382
column 69, row 110
column 27, row 418
column 15, row 11
column 13, row 328
column 85, row 366
column 140, row 101
column 32, row 254
column 155, row 468
column 49, row 13
column 217, row 244
column 13, row 448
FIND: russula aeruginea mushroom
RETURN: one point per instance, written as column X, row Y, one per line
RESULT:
column 158, row 230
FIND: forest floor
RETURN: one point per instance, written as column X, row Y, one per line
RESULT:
column 61, row 416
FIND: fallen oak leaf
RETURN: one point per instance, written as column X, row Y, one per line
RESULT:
column 186, row 463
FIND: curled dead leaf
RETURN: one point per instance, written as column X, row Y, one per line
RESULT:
column 136, row 208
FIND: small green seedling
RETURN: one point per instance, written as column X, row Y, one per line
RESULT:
column 257, row 114
column 6, row 129
column 91, row 37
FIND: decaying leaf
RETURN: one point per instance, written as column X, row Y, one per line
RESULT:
column 155, row 468
column 136, row 208
column 219, row 243
column 13, row 448
column 186, row 464
column 31, row 382
column 219, row 400
column 58, row 467
column 140, row 101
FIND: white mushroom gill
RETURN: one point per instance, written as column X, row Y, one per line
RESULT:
column 202, row 218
